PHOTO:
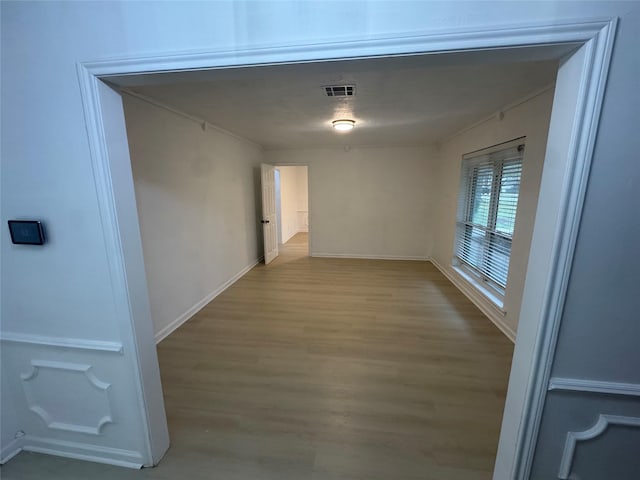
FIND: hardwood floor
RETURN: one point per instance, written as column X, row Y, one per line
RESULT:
column 319, row 369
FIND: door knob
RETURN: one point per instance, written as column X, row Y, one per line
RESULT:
column 264, row 221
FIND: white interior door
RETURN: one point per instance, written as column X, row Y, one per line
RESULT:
column 269, row 222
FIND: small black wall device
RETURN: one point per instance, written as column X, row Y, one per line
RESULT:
column 26, row 232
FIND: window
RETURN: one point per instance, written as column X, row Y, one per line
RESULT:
column 487, row 203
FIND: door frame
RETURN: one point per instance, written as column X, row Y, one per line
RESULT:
column 535, row 345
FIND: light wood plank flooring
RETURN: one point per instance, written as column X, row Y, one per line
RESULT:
column 324, row 369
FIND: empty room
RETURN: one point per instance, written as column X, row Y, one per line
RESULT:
column 355, row 354
column 257, row 240
column 356, row 358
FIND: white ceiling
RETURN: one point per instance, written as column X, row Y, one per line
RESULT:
column 410, row 100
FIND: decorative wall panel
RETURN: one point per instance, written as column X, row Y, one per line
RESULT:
column 67, row 396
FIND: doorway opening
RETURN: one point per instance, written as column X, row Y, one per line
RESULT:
column 292, row 210
column 554, row 235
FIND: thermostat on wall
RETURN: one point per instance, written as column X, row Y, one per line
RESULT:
column 26, row 232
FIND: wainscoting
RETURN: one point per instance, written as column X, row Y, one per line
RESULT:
column 591, row 430
column 72, row 397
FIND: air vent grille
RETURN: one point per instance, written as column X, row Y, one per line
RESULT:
column 340, row 90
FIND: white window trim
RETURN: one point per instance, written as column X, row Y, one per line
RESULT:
column 480, row 282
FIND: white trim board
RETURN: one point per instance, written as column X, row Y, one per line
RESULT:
column 72, row 343
column 558, row 384
column 368, row 257
column 504, row 36
column 83, row 451
column 78, row 451
column 575, row 116
column 113, row 179
column 484, row 305
column 175, row 324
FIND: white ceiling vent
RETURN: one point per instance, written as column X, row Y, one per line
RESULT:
column 340, row 90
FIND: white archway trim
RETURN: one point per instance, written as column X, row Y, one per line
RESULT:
column 535, row 345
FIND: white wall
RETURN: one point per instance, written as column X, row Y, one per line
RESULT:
column 367, row 202
column 197, row 203
column 64, row 290
column 530, row 119
column 293, row 195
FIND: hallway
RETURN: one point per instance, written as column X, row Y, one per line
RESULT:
column 296, row 248
column 318, row 369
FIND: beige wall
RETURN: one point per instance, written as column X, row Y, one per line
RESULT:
column 378, row 202
column 367, row 201
column 197, row 204
column 530, row 119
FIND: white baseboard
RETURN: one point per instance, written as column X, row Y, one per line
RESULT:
column 171, row 327
column 83, row 451
column 79, row 451
column 11, row 450
column 369, row 257
column 478, row 300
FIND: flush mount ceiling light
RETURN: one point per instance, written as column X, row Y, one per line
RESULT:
column 343, row 125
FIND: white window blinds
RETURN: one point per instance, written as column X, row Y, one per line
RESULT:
column 487, row 204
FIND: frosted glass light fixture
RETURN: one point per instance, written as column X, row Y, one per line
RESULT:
column 343, row 125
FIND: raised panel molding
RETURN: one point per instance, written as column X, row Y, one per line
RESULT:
column 596, row 430
column 594, row 386
column 67, row 396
